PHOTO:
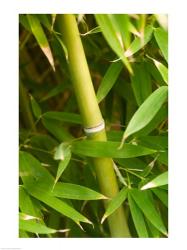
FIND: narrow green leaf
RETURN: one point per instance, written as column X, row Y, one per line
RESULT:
column 23, row 234
column 53, row 92
column 41, row 38
column 154, row 232
column 108, row 149
column 161, row 37
column 160, row 180
column 55, row 203
column 26, row 204
column 35, row 107
column 154, row 142
column 145, row 203
column 39, row 183
column 113, row 36
column 35, row 227
column 31, row 171
column 141, row 83
column 138, row 218
column 162, row 69
column 162, row 195
column 152, row 69
column 77, row 192
column 132, row 163
column 115, row 203
column 63, row 154
column 140, row 42
column 62, row 151
column 57, row 129
column 63, row 116
column 163, row 157
column 162, row 19
column 123, row 26
column 109, row 80
column 154, row 123
column 146, row 112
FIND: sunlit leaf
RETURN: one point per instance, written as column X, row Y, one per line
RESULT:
column 146, row 112
column 63, row 154
column 41, row 38
column 112, row 36
column 162, row 39
column 35, row 227
column 162, row 69
column 139, row 42
column 160, row 180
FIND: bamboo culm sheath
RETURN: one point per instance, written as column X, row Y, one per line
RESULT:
column 91, row 116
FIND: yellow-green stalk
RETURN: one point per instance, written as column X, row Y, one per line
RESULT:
column 92, row 117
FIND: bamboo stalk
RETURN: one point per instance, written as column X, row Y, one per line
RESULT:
column 91, row 116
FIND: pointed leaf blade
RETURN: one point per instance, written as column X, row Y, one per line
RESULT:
column 41, row 38
column 77, row 192
column 109, row 149
column 115, row 203
column 112, row 36
column 161, row 37
column 35, row 227
column 145, row 203
column 158, row 181
column 35, row 108
column 138, row 218
column 146, row 112
column 109, row 80
column 139, row 43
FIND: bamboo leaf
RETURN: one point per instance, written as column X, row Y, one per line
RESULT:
column 31, row 171
column 109, row 80
column 141, row 83
column 162, row 195
column 146, row 112
column 41, row 38
column 115, row 203
column 161, row 37
column 77, row 192
column 138, row 218
column 55, row 91
column 108, row 149
column 26, row 204
column 145, row 203
column 160, row 180
column 113, row 36
column 35, row 227
column 154, row 123
column 35, row 107
column 63, row 116
column 39, row 183
column 63, row 154
column 140, row 42
column 162, row 69
column 57, row 204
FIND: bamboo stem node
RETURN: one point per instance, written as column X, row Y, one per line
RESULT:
column 95, row 129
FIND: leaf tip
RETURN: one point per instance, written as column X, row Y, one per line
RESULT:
column 103, row 219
